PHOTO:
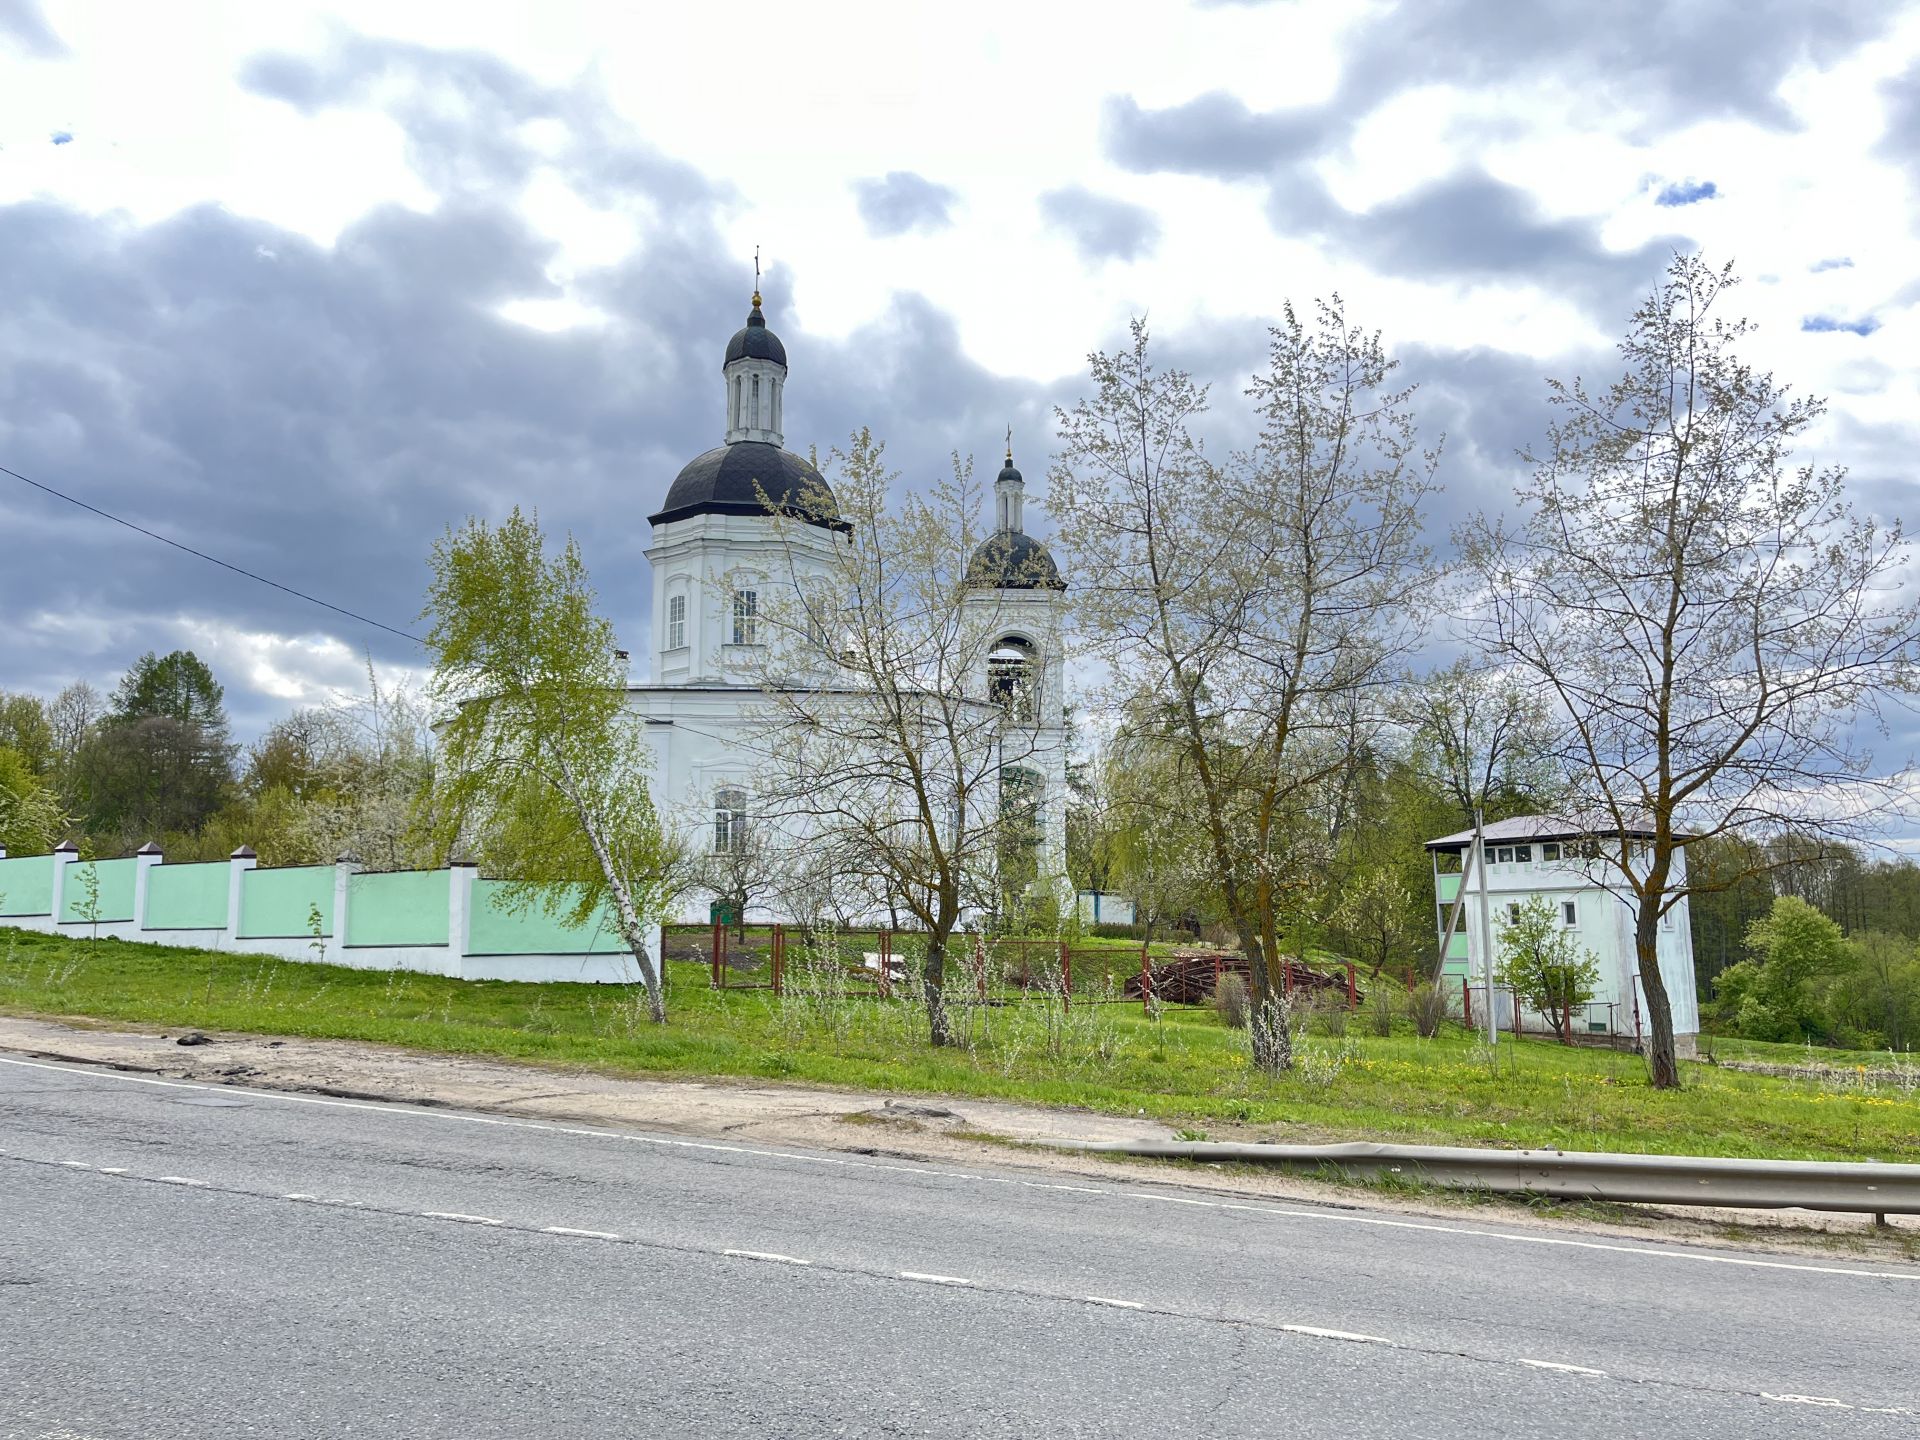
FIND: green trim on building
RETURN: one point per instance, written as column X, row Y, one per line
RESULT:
column 495, row 930
column 278, row 904
column 116, row 891
column 26, row 885
column 402, row 907
column 187, row 897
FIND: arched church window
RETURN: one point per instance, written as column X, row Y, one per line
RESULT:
column 739, row 404
column 756, row 402
column 746, row 617
column 729, row 821
column 676, row 622
column 1010, row 679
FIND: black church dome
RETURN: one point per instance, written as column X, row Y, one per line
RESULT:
column 1010, row 560
column 754, row 341
column 743, row 478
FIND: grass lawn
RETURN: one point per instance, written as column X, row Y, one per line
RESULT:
column 1187, row 1069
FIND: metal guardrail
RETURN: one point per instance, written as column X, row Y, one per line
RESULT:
column 1863, row 1188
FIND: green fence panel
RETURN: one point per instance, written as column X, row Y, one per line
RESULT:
column 26, row 885
column 116, row 890
column 406, row 907
column 496, row 930
column 187, row 897
column 278, row 904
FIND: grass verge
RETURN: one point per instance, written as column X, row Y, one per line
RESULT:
column 1185, row 1068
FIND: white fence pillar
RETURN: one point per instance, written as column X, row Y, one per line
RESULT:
column 144, row 859
column 238, row 863
column 460, row 877
column 64, row 854
column 345, row 866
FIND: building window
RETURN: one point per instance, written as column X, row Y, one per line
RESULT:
column 1569, row 913
column 756, row 402
column 1523, row 854
column 1666, row 919
column 1503, row 855
column 677, row 622
column 1550, row 851
column 729, row 821
column 746, row 617
column 1513, row 913
column 739, row 404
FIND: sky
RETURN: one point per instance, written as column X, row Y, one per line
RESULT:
column 302, row 285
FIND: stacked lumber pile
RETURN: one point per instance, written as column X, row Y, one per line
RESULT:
column 1188, row 977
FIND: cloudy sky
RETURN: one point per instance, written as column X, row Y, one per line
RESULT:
column 300, row 285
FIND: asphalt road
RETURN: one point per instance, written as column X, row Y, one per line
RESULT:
column 179, row 1260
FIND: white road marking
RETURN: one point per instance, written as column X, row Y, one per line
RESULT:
column 178, row 1180
column 76, row 1164
column 113, row 1169
column 456, row 1215
column 1561, row 1365
column 1325, row 1334
column 768, row 1255
column 395, row 1108
column 1122, row 1304
column 583, row 1234
column 1170, row 1199
column 1826, row 1402
column 1074, row 1189
column 934, row 1279
column 296, row 1195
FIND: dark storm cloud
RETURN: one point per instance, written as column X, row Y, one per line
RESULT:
column 320, row 413
column 24, row 27
column 1213, row 134
column 1901, row 140
column 900, row 200
column 1671, row 63
column 1101, row 227
column 465, row 115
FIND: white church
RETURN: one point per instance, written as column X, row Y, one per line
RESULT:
column 731, row 539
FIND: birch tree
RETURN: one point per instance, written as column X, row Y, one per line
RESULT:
column 541, row 773
column 880, row 742
column 1259, row 603
column 1715, row 625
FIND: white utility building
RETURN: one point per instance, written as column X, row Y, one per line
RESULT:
column 1543, row 856
column 745, row 523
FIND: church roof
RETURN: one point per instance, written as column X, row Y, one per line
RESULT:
column 754, row 341
column 742, row 478
column 1012, row 560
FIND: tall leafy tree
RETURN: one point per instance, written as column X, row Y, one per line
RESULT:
column 1712, row 620
column 1266, row 601
column 159, row 761
column 542, row 770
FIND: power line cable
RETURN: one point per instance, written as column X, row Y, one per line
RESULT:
column 212, row 559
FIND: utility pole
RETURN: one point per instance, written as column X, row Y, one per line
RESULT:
column 1486, row 924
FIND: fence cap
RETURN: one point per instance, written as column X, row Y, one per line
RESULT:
column 346, row 857
column 245, row 852
column 66, row 847
column 148, row 849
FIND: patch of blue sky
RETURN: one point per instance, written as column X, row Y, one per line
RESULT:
column 1820, row 324
column 1687, row 192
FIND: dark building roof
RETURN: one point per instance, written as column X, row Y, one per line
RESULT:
column 1013, row 561
column 754, row 341
column 741, row 478
column 1007, row 472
